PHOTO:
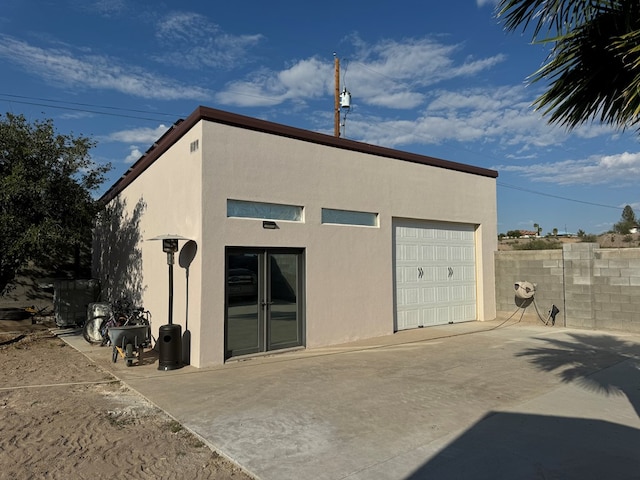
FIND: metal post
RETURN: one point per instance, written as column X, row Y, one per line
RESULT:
column 336, row 112
column 170, row 262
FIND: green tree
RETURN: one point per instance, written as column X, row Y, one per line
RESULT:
column 593, row 68
column 555, row 232
column 627, row 221
column 537, row 228
column 46, row 203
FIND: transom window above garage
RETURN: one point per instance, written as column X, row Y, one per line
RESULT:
column 264, row 211
column 349, row 217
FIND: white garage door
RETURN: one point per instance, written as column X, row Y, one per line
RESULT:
column 435, row 273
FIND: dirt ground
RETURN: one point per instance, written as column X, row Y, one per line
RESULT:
column 61, row 416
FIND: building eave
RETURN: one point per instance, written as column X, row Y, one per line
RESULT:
column 181, row 127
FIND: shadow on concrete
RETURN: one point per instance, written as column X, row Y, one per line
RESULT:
column 117, row 256
column 579, row 360
column 507, row 445
column 522, row 446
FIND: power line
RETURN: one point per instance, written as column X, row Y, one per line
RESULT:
column 107, row 107
column 62, row 107
column 506, row 185
column 75, row 109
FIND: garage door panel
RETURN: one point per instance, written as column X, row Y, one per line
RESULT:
column 428, row 295
column 443, row 315
column 442, row 294
column 430, row 274
column 409, row 319
column 457, row 313
column 429, row 316
column 456, row 254
column 442, row 253
column 411, row 296
column 435, row 273
column 457, row 293
column 470, row 294
column 441, row 274
column 428, row 253
column 468, row 274
column 409, row 275
column 426, row 233
column 407, row 253
column 469, row 254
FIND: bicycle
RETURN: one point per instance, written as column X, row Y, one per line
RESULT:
column 118, row 314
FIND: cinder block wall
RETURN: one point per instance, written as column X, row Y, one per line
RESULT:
column 616, row 302
column 540, row 267
column 592, row 287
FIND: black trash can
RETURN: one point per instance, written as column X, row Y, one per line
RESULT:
column 170, row 347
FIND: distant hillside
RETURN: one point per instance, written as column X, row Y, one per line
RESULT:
column 607, row 240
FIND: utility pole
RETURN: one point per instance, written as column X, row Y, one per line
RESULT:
column 336, row 106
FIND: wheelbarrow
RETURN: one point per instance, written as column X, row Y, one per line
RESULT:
column 129, row 342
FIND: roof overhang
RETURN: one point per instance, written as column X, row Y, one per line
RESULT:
column 181, row 127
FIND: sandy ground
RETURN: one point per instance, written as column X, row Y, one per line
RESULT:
column 61, row 416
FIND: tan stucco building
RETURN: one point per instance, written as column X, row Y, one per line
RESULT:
column 297, row 239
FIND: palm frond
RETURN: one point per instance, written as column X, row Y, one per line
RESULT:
column 593, row 69
column 556, row 16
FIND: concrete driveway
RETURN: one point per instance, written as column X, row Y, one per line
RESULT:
column 480, row 400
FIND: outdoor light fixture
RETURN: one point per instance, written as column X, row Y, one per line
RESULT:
column 269, row 225
column 170, row 245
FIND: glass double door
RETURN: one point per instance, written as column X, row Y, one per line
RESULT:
column 264, row 300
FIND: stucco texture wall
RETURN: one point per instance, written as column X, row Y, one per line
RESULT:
column 164, row 199
column 349, row 270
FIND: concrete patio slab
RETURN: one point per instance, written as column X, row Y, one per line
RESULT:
column 473, row 400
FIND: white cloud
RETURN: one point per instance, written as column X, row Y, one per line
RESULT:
column 93, row 71
column 400, row 76
column 501, row 116
column 387, row 74
column 498, row 115
column 382, row 73
column 142, row 135
column 620, row 170
column 304, row 80
column 193, row 41
column 134, row 154
column 401, row 100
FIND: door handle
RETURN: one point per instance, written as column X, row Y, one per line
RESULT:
column 264, row 304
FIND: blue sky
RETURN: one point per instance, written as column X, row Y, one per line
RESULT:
column 436, row 78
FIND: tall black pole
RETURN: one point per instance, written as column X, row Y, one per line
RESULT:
column 170, row 262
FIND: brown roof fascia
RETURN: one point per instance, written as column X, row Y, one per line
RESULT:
column 250, row 123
